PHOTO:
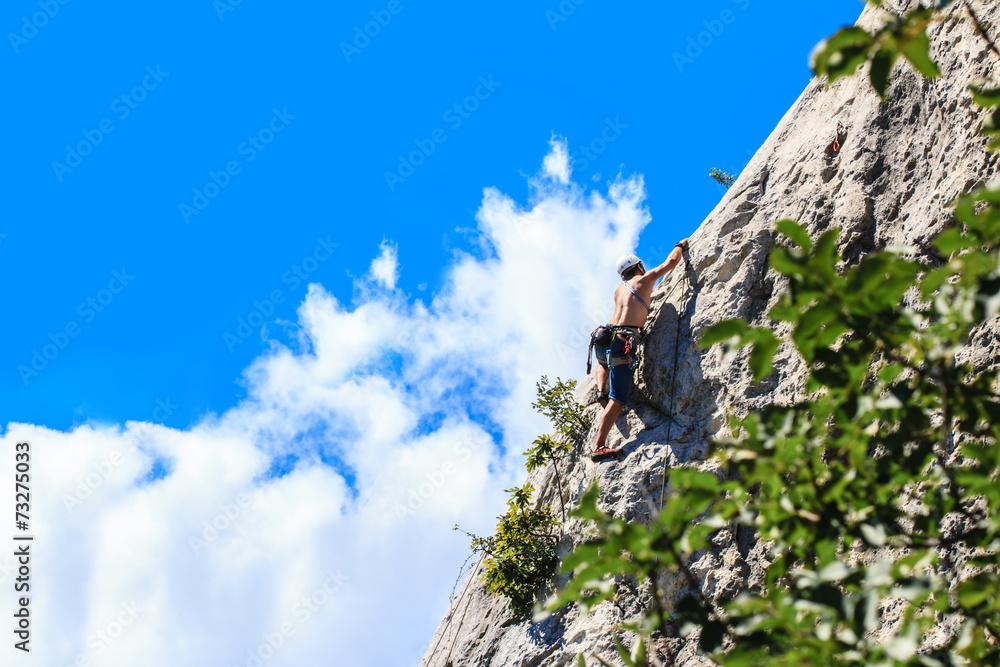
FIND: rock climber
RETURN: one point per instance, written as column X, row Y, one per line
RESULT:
column 616, row 349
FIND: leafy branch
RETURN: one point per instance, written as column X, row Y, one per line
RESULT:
column 722, row 177
column 520, row 556
column 557, row 403
column 545, row 451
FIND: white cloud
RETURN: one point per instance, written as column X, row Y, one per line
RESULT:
column 556, row 163
column 382, row 453
column 385, row 268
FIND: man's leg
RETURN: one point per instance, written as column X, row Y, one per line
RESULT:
column 620, row 381
column 601, row 376
column 611, row 412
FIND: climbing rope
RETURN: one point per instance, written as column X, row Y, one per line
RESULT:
column 673, row 375
column 461, row 621
column 451, row 610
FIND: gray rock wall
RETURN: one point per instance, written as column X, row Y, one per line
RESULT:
column 901, row 163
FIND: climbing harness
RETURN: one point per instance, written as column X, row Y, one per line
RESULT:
column 629, row 357
column 693, row 284
column 604, row 335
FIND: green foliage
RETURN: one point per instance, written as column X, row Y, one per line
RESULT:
column 884, row 456
column 894, row 450
column 736, row 334
column 722, row 177
column 987, row 96
column 637, row 658
column 851, row 47
column 557, row 403
column 645, row 553
column 520, row 555
column 545, row 451
column 864, row 490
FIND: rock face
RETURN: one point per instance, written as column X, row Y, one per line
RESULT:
column 899, row 165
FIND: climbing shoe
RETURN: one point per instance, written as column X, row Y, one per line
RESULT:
column 604, row 453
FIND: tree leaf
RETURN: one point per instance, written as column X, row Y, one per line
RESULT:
column 795, row 232
column 841, row 54
column 873, row 534
column 824, row 260
column 712, row 634
column 984, row 96
column 881, row 68
column 952, row 240
column 722, row 331
column 623, row 652
column 916, row 50
column 782, row 262
column 762, row 353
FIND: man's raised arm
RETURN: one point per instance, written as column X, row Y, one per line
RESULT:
column 673, row 259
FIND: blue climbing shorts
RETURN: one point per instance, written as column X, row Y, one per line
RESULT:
column 621, row 375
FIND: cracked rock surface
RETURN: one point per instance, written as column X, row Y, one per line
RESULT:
column 900, row 163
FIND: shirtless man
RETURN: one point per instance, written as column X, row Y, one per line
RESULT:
column 631, row 310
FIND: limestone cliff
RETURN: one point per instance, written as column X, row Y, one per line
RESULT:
column 900, row 163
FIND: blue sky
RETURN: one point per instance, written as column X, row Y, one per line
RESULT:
column 278, row 294
column 605, row 68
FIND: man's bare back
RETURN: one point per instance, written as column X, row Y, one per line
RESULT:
column 628, row 311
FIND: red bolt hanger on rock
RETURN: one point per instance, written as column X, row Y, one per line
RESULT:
column 836, row 139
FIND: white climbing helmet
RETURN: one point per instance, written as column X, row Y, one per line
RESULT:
column 626, row 262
